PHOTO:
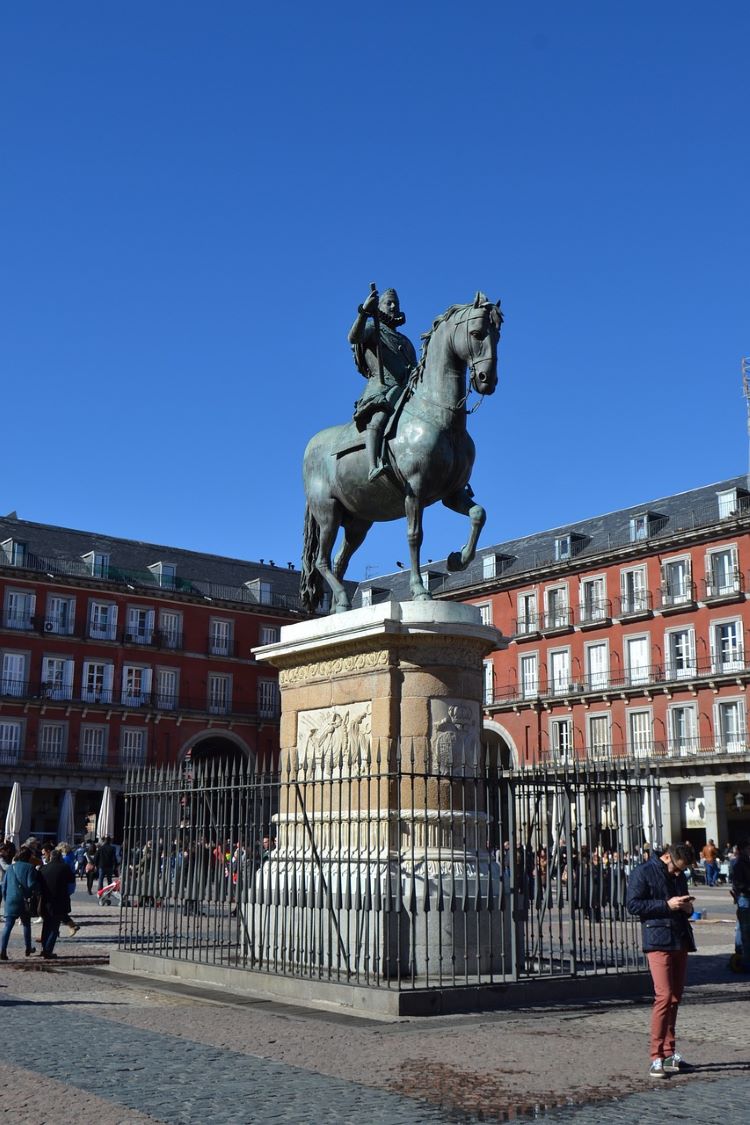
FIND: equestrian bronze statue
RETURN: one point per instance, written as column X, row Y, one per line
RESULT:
column 408, row 445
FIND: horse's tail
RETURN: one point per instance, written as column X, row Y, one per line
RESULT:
column 311, row 587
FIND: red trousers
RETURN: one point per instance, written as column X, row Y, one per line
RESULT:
column 668, row 971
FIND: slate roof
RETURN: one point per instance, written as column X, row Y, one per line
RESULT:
column 669, row 515
column 59, row 550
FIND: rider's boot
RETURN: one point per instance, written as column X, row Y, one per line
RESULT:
column 373, row 445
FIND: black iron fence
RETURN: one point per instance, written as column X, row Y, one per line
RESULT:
column 387, row 874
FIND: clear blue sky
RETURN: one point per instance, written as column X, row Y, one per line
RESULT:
column 194, row 198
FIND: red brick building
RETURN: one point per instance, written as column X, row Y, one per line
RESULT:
column 625, row 636
column 115, row 653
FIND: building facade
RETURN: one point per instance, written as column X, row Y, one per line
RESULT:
column 625, row 636
column 116, row 654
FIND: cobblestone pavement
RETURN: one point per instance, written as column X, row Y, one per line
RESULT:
column 79, row 1042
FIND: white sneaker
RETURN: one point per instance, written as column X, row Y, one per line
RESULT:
column 657, row 1069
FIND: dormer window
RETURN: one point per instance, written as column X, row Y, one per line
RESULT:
column 14, row 552
column 493, row 565
column 431, row 579
column 97, row 563
column 729, row 502
column 165, row 574
column 367, row 596
column 261, row 591
column 644, row 525
column 567, row 546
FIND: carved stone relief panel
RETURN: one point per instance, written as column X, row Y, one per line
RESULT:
column 455, row 728
column 335, row 739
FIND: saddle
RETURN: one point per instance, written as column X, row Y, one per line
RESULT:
column 352, row 442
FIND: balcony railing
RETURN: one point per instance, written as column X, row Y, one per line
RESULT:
column 36, row 691
column 638, row 604
column 602, row 683
column 723, row 589
column 526, row 626
column 557, row 620
column 595, row 613
column 677, row 597
column 671, row 749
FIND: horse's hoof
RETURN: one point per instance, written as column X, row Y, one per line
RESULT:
column 342, row 608
column 454, row 561
column 422, row 596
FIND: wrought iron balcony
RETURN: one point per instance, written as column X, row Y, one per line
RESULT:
column 727, row 589
column 670, row 749
column 638, row 604
column 595, row 613
column 675, row 598
column 526, row 626
column 557, row 621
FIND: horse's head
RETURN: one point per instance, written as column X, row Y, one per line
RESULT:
column 475, row 336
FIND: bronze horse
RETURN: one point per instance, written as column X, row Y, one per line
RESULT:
column 431, row 456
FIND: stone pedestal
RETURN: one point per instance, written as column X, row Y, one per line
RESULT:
column 381, row 862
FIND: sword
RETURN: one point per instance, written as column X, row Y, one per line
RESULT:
column 378, row 353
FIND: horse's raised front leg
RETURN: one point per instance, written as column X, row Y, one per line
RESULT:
column 329, row 521
column 413, row 510
column 463, row 503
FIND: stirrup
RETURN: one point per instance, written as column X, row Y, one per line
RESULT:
column 377, row 471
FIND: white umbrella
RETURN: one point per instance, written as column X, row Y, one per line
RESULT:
column 14, row 816
column 105, row 825
column 66, row 823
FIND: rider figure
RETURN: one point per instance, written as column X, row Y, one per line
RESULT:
column 386, row 358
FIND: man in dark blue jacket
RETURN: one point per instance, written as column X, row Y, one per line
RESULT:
column 658, row 895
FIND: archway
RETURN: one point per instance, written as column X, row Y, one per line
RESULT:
column 225, row 748
column 499, row 748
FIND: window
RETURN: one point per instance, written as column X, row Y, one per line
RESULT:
column 93, row 746
column 52, row 743
column 598, row 735
column 261, row 591
column 96, row 682
column 14, row 680
column 558, row 616
column 680, row 648
column 166, row 688
column 14, row 552
column 103, row 621
column 489, row 566
column 561, row 738
column 220, row 637
column 170, row 625
column 727, row 653
column 529, row 676
column 57, row 677
column 489, row 681
column 136, row 685
column 20, row 606
column 729, row 722
column 728, row 503
column 219, row 693
column 367, row 596
column 638, row 659
column 269, row 634
column 597, row 666
column 165, row 574
column 722, row 573
column 633, row 593
column 682, row 727
column 639, row 528
column 140, row 627
column 639, row 733
column 676, row 584
column 593, row 600
column 563, row 548
column 132, row 747
column 10, row 742
column 61, row 615
column 97, row 563
column 559, row 671
column 268, row 699
column 527, row 613
column 485, row 613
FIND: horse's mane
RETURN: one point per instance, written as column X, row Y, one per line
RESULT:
column 480, row 301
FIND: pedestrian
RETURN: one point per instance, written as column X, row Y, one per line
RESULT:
column 90, row 865
column 106, row 861
column 709, row 852
column 66, row 852
column 55, row 877
column 740, row 879
column 658, row 895
column 21, row 887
